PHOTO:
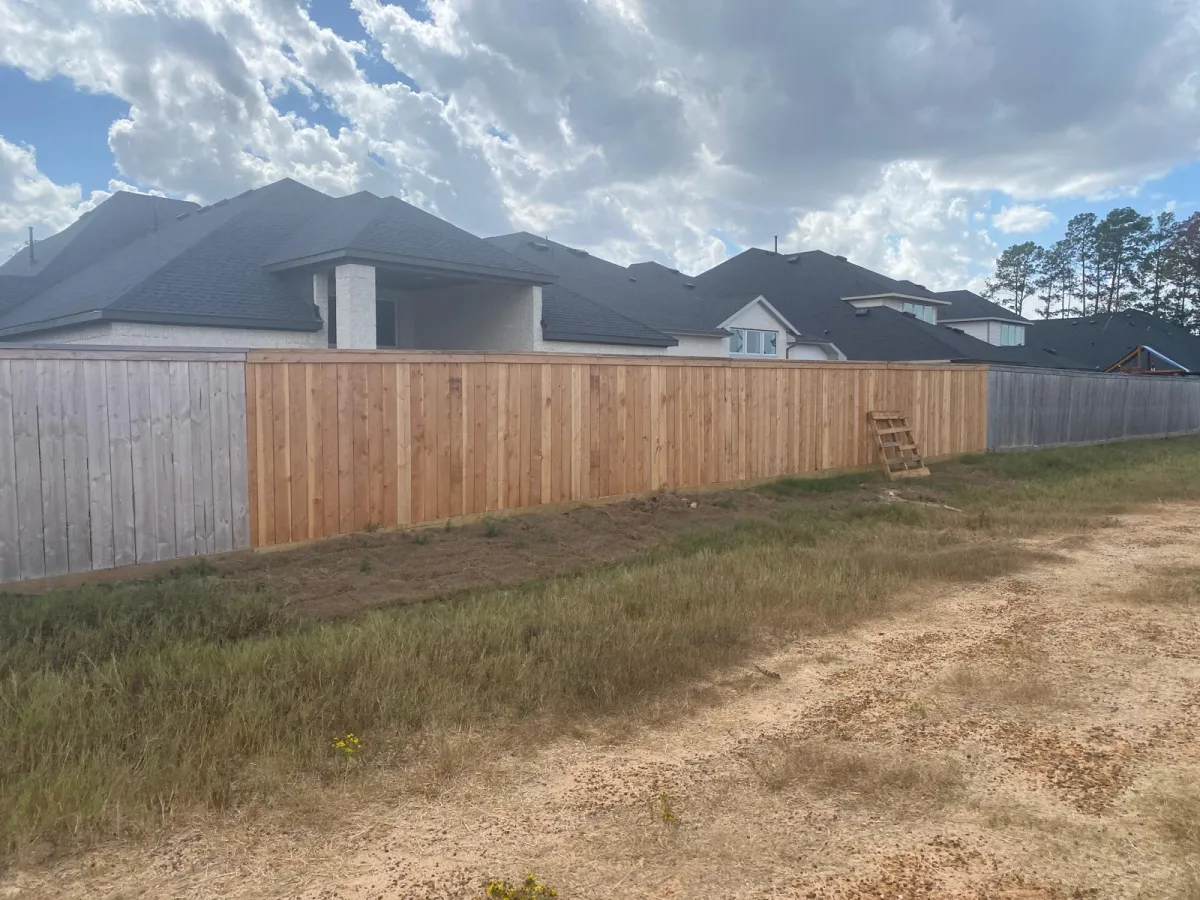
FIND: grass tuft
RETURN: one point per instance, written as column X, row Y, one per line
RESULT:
column 874, row 776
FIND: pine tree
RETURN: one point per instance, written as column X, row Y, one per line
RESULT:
column 1183, row 268
column 1155, row 269
column 1081, row 239
column 1016, row 276
column 1056, row 281
column 1121, row 240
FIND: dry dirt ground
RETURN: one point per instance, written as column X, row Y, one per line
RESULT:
column 326, row 579
column 1037, row 736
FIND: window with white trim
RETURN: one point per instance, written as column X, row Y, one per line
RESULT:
column 923, row 311
column 753, row 342
column 1012, row 335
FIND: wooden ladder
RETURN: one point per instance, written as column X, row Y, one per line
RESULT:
column 897, row 447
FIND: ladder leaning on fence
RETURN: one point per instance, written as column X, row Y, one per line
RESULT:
column 897, row 446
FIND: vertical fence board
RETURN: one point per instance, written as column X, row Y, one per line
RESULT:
column 224, row 448
column 10, row 538
column 181, row 456
column 200, row 426
column 75, row 465
column 162, row 461
column 53, row 465
column 28, row 467
column 120, row 461
column 99, row 466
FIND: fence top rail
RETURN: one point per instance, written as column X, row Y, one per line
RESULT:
column 1086, row 373
column 135, row 354
column 433, row 356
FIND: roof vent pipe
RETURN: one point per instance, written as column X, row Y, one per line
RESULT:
column 776, row 245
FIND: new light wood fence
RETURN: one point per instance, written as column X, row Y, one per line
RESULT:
column 109, row 458
column 340, row 441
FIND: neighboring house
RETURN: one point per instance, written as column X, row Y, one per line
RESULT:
column 867, row 315
column 982, row 319
column 1131, row 341
column 693, row 322
column 280, row 266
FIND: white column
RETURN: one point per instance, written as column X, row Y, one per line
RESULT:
column 355, row 291
column 321, row 299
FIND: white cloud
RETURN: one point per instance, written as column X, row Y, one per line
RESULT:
column 641, row 128
column 908, row 226
column 1023, row 219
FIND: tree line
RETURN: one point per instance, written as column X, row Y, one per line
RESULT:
column 1123, row 261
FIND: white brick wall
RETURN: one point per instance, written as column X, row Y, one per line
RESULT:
column 355, row 291
column 120, row 334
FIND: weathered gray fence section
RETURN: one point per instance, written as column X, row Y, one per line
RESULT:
column 109, row 458
column 1045, row 407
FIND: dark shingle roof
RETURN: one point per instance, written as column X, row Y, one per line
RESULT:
column 567, row 316
column 207, row 266
column 118, row 221
column 385, row 228
column 969, row 305
column 808, row 289
column 662, row 298
column 203, row 268
column 1102, row 340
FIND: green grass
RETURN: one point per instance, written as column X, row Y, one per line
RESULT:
column 124, row 706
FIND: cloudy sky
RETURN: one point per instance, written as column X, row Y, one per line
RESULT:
column 915, row 136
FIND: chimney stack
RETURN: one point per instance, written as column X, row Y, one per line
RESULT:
column 776, row 245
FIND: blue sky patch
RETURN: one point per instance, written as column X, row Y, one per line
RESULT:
column 67, row 127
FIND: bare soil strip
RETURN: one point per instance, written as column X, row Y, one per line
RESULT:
column 1037, row 736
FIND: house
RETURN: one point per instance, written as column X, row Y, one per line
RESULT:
column 281, row 266
column 1130, row 341
column 868, row 315
column 982, row 319
column 694, row 322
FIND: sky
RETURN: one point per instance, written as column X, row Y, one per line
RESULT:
column 916, row 137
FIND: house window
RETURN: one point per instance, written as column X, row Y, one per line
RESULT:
column 753, row 342
column 1012, row 335
column 922, row 311
column 385, row 324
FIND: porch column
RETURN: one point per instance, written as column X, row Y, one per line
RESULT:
column 321, row 301
column 355, row 293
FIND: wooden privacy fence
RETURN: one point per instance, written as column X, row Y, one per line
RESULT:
column 109, row 458
column 1046, row 407
column 340, row 441
column 114, row 457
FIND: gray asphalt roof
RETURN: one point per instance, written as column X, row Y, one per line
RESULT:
column 363, row 225
column 567, row 316
column 1102, row 340
column 95, row 235
column 662, row 298
column 807, row 288
column 969, row 305
column 207, row 266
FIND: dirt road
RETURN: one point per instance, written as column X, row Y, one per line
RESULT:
column 1033, row 737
